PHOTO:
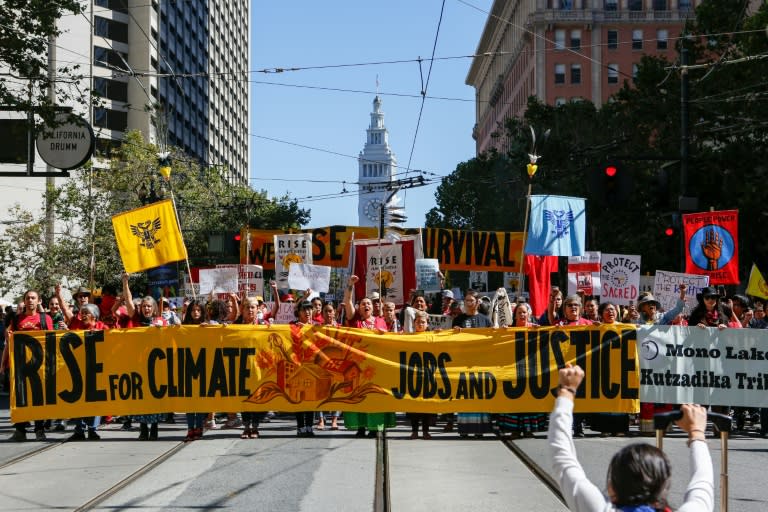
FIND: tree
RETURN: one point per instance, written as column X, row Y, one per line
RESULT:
column 24, row 33
column 84, row 206
column 640, row 128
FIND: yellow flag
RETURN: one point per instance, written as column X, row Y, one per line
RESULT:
column 757, row 286
column 148, row 237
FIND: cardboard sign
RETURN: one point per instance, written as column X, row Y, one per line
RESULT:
column 619, row 278
column 302, row 276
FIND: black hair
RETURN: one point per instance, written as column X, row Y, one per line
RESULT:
column 188, row 313
column 217, row 311
column 603, row 306
column 639, row 475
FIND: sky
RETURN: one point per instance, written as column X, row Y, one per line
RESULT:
column 335, row 34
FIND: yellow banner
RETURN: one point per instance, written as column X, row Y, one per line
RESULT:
column 497, row 251
column 330, row 245
column 148, row 237
column 64, row 374
column 454, row 249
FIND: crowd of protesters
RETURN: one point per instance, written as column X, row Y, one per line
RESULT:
column 121, row 310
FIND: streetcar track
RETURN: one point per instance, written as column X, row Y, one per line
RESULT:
column 381, row 499
column 28, row 455
column 125, row 482
column 537, row 470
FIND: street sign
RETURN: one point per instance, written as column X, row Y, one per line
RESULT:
column 67, row 145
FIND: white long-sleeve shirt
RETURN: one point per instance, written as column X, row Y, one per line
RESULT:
column 581, row 495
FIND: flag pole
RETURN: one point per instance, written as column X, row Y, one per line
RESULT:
column 525, row 231
column 164, row 166
column 186, row 253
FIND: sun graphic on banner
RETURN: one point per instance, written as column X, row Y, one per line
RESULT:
column 291, row 258
column 324, row 365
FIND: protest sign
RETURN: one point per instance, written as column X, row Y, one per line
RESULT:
column 290, row 249
column 584, row 274
column 427, row 275
column 666, row 289
column 619, row 278
column 218, row 280
column 302, row 276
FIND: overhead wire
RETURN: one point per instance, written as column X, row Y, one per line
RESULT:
column 424, row 90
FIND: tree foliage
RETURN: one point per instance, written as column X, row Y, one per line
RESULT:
column 640, row 131
column 24, row 32
column 84, row 205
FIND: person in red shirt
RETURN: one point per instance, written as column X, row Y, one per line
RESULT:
column 146, row 315
column 572, row 312
column 30, row 318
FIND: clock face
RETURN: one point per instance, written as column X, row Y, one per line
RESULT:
column 372, row 209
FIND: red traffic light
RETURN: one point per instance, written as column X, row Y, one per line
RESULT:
column 611, row 171
column 669, row 231
column 237, row 237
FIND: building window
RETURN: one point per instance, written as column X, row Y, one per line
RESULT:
column 110, row 89
column 566, row 5
column 559, row 102
column 661, row 39
column 660, row 5
column 559, row 73
column 575, row 73
column 611, row 5
column 575, row 39
column 115, row 5
column 637, row 39
column 110, row 119
column 635, row 5
column 106, row 57
column 560, row 39
column 110, row 29
column 613, row 39
column 684, row 4
column 613, row 73
column 635, row 68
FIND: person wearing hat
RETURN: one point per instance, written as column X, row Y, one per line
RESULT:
column 169, row 314
column 82, row 296
column 710, row 312
column 378, row 306
column 649, row 309
column 447, row 301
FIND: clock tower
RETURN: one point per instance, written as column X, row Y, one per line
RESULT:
column 376, row 164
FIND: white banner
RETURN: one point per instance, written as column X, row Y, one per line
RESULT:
column 440, row 322
column 302, row 276
column 291, row 249
column 619, row 278
column 218, row 280
column 250, row 279
column 666, row 289
column 427, row 278
column 680, row 365
column 584, row 273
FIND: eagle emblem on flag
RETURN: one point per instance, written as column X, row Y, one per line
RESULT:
column 146, row 232
column 561, row 221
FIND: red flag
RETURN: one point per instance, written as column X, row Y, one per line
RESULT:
column 538, row 269
column 712, row 245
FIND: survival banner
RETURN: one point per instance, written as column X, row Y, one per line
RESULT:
column 64, row 374
column 455, row 249
column 680, row 365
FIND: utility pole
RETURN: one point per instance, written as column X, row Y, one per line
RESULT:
column 50, row 181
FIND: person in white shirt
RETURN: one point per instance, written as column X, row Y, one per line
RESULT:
column 639, row 474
